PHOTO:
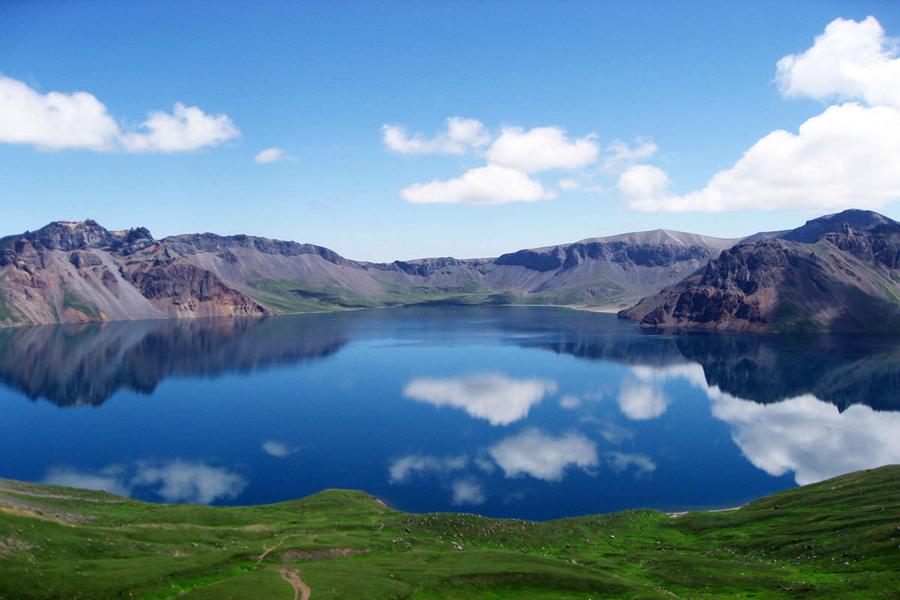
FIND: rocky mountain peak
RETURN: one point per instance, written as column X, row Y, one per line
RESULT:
column 72, row 235
column 860, row 220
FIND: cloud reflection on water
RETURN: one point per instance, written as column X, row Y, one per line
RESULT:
column 802, row 435
column 541, row 456
column 174, row 481
column 493, row 397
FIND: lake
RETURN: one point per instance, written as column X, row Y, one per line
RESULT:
column 513, row 412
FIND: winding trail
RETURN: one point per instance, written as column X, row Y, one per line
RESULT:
column 292, row 576
column 266, row 551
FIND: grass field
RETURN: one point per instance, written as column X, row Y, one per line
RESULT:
column 835, row 539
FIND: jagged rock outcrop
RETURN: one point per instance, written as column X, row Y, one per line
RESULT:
column 846, row 279
column 79, row 271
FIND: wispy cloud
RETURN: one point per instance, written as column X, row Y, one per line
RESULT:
column 277, row 449
column 271, row 155
column 460, row 136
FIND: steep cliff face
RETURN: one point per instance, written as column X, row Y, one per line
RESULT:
column 846, row 279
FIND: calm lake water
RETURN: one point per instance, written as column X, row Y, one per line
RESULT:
column 514, row 412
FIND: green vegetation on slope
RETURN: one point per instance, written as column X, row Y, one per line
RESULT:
column 75, row 302
column 287, row 297
column 838, row 538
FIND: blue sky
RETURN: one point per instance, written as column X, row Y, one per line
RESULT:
column 320, row 80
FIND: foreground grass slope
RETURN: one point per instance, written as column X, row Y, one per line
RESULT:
column 838, row 538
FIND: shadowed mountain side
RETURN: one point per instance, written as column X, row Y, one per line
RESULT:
column 85, row 364
column 837, row 273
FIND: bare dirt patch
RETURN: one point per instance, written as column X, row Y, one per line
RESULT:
column 292, row 576
column 317, row 554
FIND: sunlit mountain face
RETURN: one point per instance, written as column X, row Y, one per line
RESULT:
column 521, row 412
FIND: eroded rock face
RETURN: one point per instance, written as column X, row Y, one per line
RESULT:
column 426, row 267
column 79, row 271
column 190, row 290
column 845, row 280
column 224, row 245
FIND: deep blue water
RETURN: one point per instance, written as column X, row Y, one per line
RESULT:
column 515, row 412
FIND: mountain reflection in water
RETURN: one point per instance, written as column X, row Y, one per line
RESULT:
column 505, row 411
column 73, row 365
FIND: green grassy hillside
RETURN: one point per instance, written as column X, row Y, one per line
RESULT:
column 834, row 539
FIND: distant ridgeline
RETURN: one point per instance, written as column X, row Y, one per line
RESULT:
column 85, row 364
column 838, row 272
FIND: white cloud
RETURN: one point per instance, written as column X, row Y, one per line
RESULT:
column 495, row 398
column 490, row 184
column 644, row 186
column 54, row 121
column 847, row 156
column 466, row 491
column 186, row 128
column 542, row 149
column 622, row 461
column 461, row 136
column 277, row 449
column 405, row 467
column 642, row 401
column 620, row 154
column 851, row 60
column 568, row 185
column 173, row 481
column 57, row 121
column 270, row 155
column 541, row 456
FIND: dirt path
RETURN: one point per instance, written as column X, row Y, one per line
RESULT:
column 292, row 576
column 266, row 551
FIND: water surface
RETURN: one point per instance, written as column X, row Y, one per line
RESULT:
column 515, row 412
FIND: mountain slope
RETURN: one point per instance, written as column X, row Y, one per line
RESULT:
column 839, row 272
column 833, row 539
column 79, row 271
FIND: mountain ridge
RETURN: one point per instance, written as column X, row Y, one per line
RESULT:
column 73, row 271
column 839, row 272
column 836, row 272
